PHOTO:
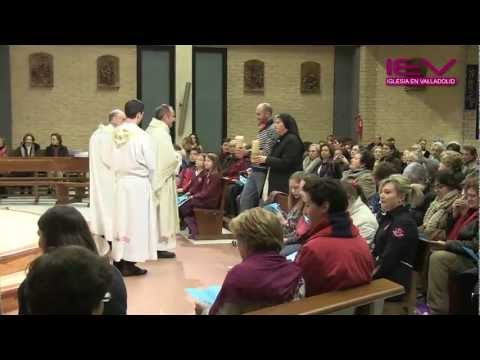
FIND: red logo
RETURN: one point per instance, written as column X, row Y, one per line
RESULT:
column 398, row 232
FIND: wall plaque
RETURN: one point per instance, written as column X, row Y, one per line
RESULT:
column 471, row 88
column 310, row 78
column 108, row 74
column 41, row 70
column 254, row 76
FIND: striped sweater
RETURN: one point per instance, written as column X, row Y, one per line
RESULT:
column 268, row 138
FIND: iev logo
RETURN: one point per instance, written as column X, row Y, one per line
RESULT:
column 405, row 67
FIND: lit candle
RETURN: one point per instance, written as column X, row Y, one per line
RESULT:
column 255, row 147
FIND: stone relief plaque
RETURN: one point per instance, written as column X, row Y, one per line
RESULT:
column 108, row 74
column 471, row 87
column 310, row 78
column 41, row 70
column 254, row 76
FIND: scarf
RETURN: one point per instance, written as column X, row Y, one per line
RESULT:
column 462, row 221
column 435, row 217
column 26, row 153
column 309, row 165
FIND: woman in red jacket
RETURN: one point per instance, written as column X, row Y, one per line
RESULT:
column 335, row 256
column 185, row 176
column 207, row 198
column 240, row 163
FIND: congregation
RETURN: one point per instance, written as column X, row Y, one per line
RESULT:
column 355, row 211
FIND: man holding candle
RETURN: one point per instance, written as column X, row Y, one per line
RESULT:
column 265, row 140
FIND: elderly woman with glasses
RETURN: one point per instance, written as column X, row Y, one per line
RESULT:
column 455, row 254
column 447, row 186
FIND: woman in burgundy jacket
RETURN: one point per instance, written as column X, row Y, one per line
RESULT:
column 208, row 198
column 240, row 163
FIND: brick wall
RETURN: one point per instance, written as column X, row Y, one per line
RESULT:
column 469, row 117
column 73, row 107
column 408, row 115
column 313, row 112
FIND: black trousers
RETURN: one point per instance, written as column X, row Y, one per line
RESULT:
column 231, row 204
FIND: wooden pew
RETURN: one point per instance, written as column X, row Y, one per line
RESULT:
column 62, row 191
column 210, row 221
column 69, row 166
column 12, row 264
column 366, row 299
column 461, row 293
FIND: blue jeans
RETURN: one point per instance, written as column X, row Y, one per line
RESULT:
column 252, row 191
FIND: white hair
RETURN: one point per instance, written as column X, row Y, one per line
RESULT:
column 114, row 113
column 439, row 144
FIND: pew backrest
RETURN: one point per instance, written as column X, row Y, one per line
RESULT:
column 43, row 164
column 369, row 297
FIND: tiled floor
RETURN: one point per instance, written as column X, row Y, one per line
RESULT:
column 162, row 290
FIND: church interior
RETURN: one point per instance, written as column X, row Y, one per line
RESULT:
column 337, row 95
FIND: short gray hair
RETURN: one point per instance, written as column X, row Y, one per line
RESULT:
column 431, row 165
column 114, row 113
column 266, row 107
column 440, row 144
column 162, row 110
column 416, row 173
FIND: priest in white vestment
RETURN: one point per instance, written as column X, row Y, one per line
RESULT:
column 102, row 181
column 164, row 186
column 135, row 222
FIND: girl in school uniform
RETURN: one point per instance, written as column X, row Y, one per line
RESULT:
column 198, row 174
column 207, row 198
column 185, row 177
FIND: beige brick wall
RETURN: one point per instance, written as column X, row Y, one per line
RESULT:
column 313, row 112
column 408, row 115
column 469, row 117
column 74, row 106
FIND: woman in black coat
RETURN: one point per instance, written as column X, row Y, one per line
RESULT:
column 28, row 147
column 286, row 156
column 328, row 167
column 56, row 148
column 396, row 239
